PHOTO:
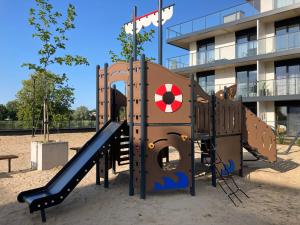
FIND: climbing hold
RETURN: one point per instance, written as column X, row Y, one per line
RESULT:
column 168, row 98
column 151, row 146
column 228, row 169
column 184, row 137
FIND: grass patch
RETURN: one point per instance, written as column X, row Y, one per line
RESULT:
column 298, row 142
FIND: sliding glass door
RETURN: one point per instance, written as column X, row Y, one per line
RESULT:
column 246, row 78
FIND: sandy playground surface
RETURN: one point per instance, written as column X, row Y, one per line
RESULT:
column 274, row 191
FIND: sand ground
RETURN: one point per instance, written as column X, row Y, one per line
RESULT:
column 274, row 191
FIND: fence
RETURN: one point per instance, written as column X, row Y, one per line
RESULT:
column 27, row 125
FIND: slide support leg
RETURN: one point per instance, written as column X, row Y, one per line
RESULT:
column 43, row 215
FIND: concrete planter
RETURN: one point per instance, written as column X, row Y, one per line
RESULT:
column 45, row 156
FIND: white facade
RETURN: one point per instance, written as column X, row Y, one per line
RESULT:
column 228, row 53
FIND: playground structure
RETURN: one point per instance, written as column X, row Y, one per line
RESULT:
column 158, row 112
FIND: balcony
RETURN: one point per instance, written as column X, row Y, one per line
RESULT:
column 233, row 14
column 212, row 20
column 282, row 87
column 276, row 44
column 229, row 52
column 263, row 88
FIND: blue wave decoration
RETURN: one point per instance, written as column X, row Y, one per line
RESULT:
column 228, row 169
column 170, row 184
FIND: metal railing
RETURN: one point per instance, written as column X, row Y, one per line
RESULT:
column 279, row 87
column 279, row 43
column 223, row 53
column 283, row 3
column 274, row 44
column 218, row 18
column 27, row 125
column 262, row 88
column 228, row 15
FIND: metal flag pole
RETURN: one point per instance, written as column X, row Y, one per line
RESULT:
column 160, row 32
column 134, row 33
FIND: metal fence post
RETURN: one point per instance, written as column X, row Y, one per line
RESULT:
column 143, row 126
column 131, row 146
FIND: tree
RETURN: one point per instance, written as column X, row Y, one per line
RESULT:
column 60, row 97
column 51, row 30
column 3, row 112
column 81, row 113
column 12, row 109
column 127, row 47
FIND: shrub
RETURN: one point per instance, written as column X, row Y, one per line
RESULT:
column 280, row 138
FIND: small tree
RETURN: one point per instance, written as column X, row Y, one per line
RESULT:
column 127, row 46
column 3, row 112
column 81, row 113
column 51, row 30
column 60, row 97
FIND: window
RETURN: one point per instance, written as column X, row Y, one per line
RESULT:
column 288, row 34
column 206, row 81
column 288, row 117
column 206, row 51
column 287, row 75
column 246, row 78
column 246, row 43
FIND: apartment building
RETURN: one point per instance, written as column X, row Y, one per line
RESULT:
column 255, row 45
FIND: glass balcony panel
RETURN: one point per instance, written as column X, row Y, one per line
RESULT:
column 294, row 40
column 281, row 42
column 283, row 3
column 198, row 24
column 252, row 89
column 242, row 50
column 224, row 16
column 210, row 53
column 213, row 20
column 292, row 89
column 186, row 28
column 210, row 56
column 242, row 89
column 281, row 87
column 202, row 58
column 210, row 89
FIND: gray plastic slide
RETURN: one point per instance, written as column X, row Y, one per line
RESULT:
column 71, row 174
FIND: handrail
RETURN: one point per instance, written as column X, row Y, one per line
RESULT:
column 225, row 12
column 266, row 45
column 214, row 19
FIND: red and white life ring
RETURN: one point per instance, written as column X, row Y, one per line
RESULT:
column 168, row 98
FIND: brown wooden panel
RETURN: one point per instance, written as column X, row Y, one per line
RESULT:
column 154, row 172
column 157, row 76
column 259, row 136
column 229, row 148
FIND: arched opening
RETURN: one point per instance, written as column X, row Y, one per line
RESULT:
column 168, row 158
column 118, row 101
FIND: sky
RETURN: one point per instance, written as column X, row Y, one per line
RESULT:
column 97, row 26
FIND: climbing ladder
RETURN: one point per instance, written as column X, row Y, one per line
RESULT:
column 227, row 182
column 123, row 158
column 225, row 179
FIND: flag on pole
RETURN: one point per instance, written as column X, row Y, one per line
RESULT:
column 150, row 18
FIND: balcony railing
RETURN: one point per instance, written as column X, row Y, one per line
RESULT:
column 283, row 3
column 237, row 51
column 282, row 87
column 221, row 17
column 279, row 43
column 225, row 53
column 262, row 88
column 228, row 15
